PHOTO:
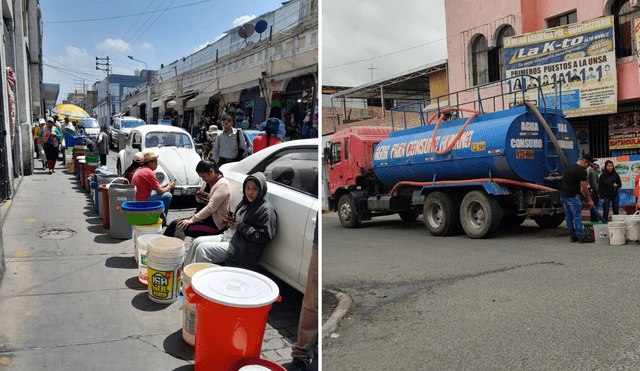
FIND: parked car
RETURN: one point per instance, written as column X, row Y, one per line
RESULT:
column 122, row 125
column 177, row 157
column 291, row 169
column 90, row 128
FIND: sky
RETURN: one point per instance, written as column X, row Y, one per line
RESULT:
column 75, row 32
column 356, row 33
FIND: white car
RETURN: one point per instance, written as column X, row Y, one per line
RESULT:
column 122, row 125
column 177, row 157
column 291, row 169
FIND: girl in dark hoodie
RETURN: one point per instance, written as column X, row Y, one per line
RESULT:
column 254, row 223
column 608, row 187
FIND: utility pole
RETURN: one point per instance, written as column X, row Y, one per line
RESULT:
column 103, row 64
column 372, row 68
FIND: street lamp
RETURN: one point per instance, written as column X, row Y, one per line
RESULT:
column 148, row 88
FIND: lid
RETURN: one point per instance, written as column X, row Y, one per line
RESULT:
column 145, row 238
column 235, row 287
column 254, row 368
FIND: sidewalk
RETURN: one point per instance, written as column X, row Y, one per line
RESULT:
column 71, row 300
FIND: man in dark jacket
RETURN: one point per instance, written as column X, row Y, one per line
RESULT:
column 254, row 222
column 573, row 182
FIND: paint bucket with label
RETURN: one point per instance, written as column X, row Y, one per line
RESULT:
column 189, row 309
column 141, row 230
column 617, row 233
column 601, row 232
column 164, row 259
column 141, row 255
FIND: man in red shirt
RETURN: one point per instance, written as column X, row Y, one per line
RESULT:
column 147, row 186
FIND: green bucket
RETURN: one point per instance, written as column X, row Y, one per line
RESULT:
column 590, row 235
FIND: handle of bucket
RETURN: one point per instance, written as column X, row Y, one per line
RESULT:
column 111, row 182
column 636, row 215
column 191, row 296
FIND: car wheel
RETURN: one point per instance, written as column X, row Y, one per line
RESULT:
column 480, row 214
column 441, row 214
column 347, row 212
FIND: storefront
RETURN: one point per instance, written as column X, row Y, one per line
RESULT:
column 291, row 104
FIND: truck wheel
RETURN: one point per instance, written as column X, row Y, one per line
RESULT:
column 409, row 215
column 480, row 214
column 549, row 221
column 347, row 212
column 441, row 214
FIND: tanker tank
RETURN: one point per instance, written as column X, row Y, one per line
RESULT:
column 510, row 144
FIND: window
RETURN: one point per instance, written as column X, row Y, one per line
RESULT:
column 479, row 62
column 497, row 68
column 346, row 149
column 295, row 167
column 336, row 153
column 563, row 20
column 623, row 15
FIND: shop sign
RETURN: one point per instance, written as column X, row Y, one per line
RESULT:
column 636, row 23
column 624, row 130
column 581, row 56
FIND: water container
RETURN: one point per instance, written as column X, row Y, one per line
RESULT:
column 164, row 258
column 141, row 230
column 141, row 255
column 601, row 232
column 189, row 309
column 632, row 228
column 255, row 364
column 617, row 233
column 119, row 193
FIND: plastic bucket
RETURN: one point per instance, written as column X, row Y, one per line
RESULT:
column 232, row 306
column 96, row 199
column 104, row 205
column 632, row 229
column 617, row 233
column 141, row 230
column 618, row 218
column 69, row 162
column 141, row 255
column 601, row 232
column 79, row 166
column 165, row 256
column 588, row 230
column 255, row 364
column 142, row 212
column 119, row 193
column 189, row 309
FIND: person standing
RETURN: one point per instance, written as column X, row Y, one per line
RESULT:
column 573, row 182
column 609, row 185
column 103, row 145
column 147, row 186
column 229, row 145
column 39, row 144
column 50, row 137
column 592, row 178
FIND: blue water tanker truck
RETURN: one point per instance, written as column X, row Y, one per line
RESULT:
column 476, row 173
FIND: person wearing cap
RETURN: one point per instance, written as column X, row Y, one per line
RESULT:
column 50, row 137
column 41, row 124
column 592, row 179
column 138, row 159
column 573, row 182
column 147, row 186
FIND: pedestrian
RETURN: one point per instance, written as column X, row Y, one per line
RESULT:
column 138, row 159
column 49, row 135
column 609, row 184
column 573, row 182
column 266, row 140
column 39, row 144
column 636, row 191
column 147, row 186
column 209, row 220
column 305, row 349
column 229, row 146
column 103, row 145
column 592, row 178
column 251, row 227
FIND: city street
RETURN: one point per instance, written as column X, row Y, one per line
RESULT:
column 526, row 299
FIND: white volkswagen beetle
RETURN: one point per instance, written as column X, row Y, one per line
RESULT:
column 177, row 157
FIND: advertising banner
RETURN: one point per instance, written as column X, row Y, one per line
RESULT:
column 575, row 63
column 628, row 167
column 624, row 127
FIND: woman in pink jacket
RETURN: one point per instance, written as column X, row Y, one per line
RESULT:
column 210, row 220
column 49, row 136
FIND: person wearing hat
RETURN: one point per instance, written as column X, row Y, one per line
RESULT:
column 41, row 124
column 573, row 182
column 147, row 186
column 592, row 179
column 50, row 136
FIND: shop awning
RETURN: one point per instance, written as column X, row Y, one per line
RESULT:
column 240, row 87
column 157, row 103
column 202, row 99
column 295, row 73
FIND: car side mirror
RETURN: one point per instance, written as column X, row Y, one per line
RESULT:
column 327, row 155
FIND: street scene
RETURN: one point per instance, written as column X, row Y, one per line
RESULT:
column 165, row 183
column 480, row 185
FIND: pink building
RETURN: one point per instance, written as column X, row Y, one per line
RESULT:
column 475, row 34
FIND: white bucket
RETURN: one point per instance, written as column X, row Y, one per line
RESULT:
column 632, row 229
column 164, row 265
column 189, row 309
column 141, row 230
column 617, row 233
column 618, row 218
column 601, row 233
column 141, row 255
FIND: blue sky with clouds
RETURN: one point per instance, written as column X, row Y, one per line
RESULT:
column 75, row 32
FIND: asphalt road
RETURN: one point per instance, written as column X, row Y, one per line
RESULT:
column 527, row 299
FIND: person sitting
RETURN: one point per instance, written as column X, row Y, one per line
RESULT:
column 251, row 228
column 138, row 158
column 210, row 220
column 266, row 140
column 147, row 186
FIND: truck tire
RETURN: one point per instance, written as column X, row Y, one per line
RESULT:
column 441, row 214
column 409, row 215
column 549, row 221
column 480, row 214
column 347, row 212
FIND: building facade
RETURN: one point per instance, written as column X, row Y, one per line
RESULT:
column 109, row 92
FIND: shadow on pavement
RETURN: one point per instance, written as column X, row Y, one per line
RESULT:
column 135, row 284
column 126, row 262
column 94, row 220
column 184, row 368
column 143, row 303
column 105, row 238
column 175, row 346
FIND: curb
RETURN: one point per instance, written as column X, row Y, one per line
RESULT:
column 344, row 306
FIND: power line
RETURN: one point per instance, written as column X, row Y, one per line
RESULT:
column 128, row 15
column 383, row 55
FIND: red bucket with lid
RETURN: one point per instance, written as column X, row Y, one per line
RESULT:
column 232, row 305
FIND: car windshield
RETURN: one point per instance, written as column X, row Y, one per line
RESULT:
column 89, row 123
column 159, row 139
column 131, row 123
